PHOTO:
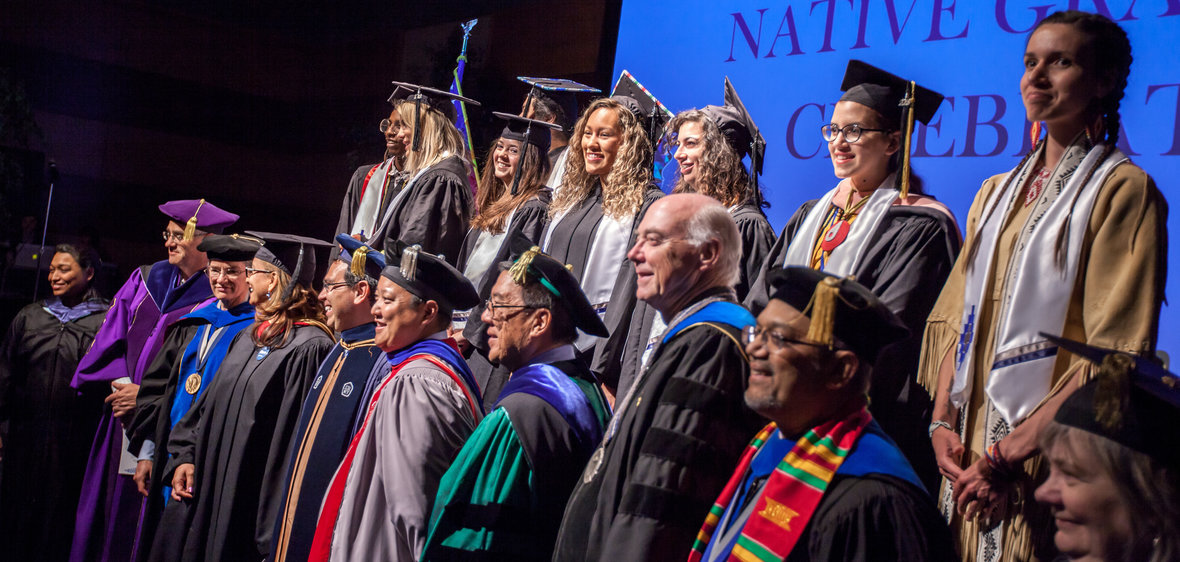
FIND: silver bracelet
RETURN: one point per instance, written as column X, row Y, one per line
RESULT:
column 937, row 424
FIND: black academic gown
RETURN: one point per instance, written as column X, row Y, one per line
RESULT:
column 874, row 517
column 435, row 213
column 619, row 358
column 352, row 198
column 153, row 420
column 906, row 264
column 571, row 243
column 530, row 220
column 50, row 429
column 239, row 434
column 675, row 448
column 322, row 437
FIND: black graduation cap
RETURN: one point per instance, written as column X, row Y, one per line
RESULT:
column 362, row 260
column 854, row 314
column 562, row 91
column 739, row 129
column 1132, row 401
column 293, row 254
column 427, row 276
column 230, row 247
column 528, row 262
column 438, row 100
column 629, row 92
column 527, row 130
column 897, row 100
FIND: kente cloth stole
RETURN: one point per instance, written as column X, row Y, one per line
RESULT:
column 791, row 494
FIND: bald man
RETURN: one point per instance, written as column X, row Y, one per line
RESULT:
column 682, row 424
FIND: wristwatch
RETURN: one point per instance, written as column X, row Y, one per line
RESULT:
column 937, row 424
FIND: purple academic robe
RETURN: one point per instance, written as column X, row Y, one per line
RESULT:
column 109, row 507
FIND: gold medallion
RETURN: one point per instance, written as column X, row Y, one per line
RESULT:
column 193, row 383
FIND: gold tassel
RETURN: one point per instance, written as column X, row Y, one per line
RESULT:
column 409, row 265
column 908, row 103
column 520, row 269
column 190, row 229
column 823, row 312
column 359, row 257
column 1111, row 398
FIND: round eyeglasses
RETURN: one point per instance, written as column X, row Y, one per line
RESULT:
column 851, row 132
column 385, row 125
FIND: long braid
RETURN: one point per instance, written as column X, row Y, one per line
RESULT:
column 1110, row 50
column 973, row 249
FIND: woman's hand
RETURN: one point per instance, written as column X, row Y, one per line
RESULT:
column 978, row 493
column 182, row 482
column 948, row 451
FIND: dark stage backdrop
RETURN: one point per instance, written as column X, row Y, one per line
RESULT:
column 786, row 60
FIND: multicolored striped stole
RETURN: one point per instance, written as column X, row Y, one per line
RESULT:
column 791, row 494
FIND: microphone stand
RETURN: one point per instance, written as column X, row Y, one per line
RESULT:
column 53, row 177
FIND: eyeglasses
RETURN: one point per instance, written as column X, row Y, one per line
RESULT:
column 329, row 287
column 851, row 132
column 251, row 271
column 774, row 340
column 492, row 307
column 173, row 236
column 217, row 272
column 385, row 125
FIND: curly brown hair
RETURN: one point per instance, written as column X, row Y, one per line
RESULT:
column 721, row 173
column 300, row 305
column 493, row 207
column 623, row 187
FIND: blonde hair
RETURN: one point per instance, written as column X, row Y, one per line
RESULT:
column 493, row 209
column 629, row 176
column 281, row 313
column 440, row 138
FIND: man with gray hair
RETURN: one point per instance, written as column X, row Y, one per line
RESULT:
column 682, row 423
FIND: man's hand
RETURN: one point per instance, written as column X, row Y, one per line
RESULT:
column 143, row 476
column 122, row 400
column 182, row 482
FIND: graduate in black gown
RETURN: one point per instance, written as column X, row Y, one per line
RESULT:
column 229, row 453
column 513, row 201
column 328, row 419
column 373, row 185
column 709, row 146
column 855, row 498
column 877, row 226
column 605, row 192
column 434, row 207
column 50, row 424
column 185, row 366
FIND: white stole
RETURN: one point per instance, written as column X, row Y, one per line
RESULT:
column 608, row 253
column 370, row 207
column 846, row 257
column 479, row 263
column 1036, row 292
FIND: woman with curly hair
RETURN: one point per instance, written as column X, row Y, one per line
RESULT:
column 229, row 453
column 1072, row 241
column 601, row 200
column 429, row 203
column 709, row 146
column 512, row 198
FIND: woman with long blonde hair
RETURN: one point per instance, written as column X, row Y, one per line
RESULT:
column 229, row 453
column 601, row 200
column 431, row 205
column 513, row 201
